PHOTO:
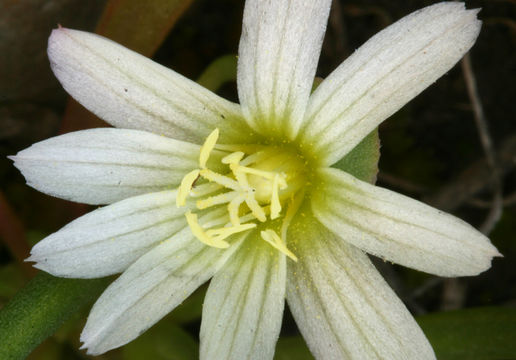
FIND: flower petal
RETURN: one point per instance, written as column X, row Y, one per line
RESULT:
column 149, row 289
column 278, row 54
column 343, row 307
column 384, row 74
column 399, row 229
column 129, row 90
column 101, row 166
column 107, row 240
column 243, row 308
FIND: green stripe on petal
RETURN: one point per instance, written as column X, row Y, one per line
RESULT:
column 128, row 90
column 106, row 241
column 399, row 229
column 278, row 55
column 150, row 288
column 243, row 309
column 101, row 166
column 384, row 74
column 341, row 304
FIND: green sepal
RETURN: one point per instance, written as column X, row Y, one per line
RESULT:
column 362, row 161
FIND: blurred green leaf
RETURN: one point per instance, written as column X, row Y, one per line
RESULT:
column 11, row 280
column 473, row 334
column 219, row 72
column 38, row 310
column 191, row 309
column 49, row 350
column 164, row 341
column 362, row 161
column 292, row 348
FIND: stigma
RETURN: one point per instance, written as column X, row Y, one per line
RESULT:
column 262, row 183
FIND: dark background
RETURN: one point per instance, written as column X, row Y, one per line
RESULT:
column 431, row 149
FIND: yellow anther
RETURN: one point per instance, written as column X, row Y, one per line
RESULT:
column 233, row 208
column 272, row 238
column 255, row 208
column 233, row 158
column 199, row 233
column 205, row 189
column 216, row 200
column 185, row 187
column 207, row 148
column 220, row 179
column 264, row 174
column 282, row 182
column 275, row 202
column 221, row 233
column 258, row 176
column 240, row 177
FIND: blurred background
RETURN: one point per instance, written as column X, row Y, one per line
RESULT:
column 440, row 148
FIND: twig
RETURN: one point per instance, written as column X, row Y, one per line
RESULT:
column 401, row 183
column 496, row 209
column 507, row 201
column 473, row 179
column 336, row 23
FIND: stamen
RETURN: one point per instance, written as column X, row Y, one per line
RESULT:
column 258, row 177
column 216, row 200
column 233, row 158
column 292, row 209
column 222, row 233
column 205, row 189
column 272, row 238
column 240, row 177
column 255, row 208
column 220, row 179
column 233, row 207
column 275, row 203
column 252, row 158
column 185, row 187
column 207, row 148
column 264, row 174
column 199, row 233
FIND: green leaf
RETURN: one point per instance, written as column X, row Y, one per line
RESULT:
column 219, row 72
column 292, row 348
column 473, row 334
column 11, row 280
column 362, row 161
column 38, row 310
column 164, row 341
column 191, row 309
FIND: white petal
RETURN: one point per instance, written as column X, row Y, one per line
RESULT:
column 131, row 91
column 399, row 229
column 243, row 310
column 107, row 240
column 101, row 166
column 384, row 74
column 343, row 307
column 278, row 55
column 149, row 289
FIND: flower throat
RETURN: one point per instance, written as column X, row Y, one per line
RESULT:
column 263, row 183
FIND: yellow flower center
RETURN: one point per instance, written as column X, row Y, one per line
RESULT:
column 263, row 183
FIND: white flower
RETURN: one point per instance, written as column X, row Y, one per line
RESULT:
column 273, row 219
